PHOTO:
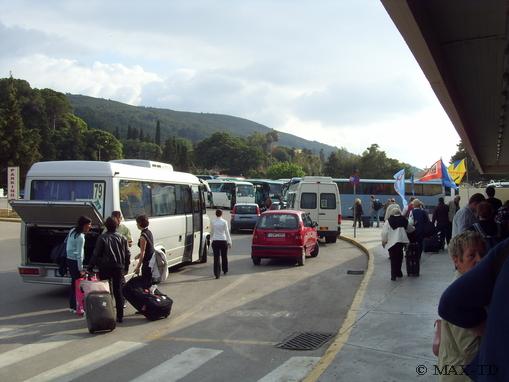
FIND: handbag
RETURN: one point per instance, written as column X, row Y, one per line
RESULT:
column 437, row 336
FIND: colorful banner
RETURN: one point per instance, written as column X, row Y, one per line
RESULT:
column 439, row 171
column 399, row 185
column 457, row 170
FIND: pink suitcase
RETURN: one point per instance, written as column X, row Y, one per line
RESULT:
column 80, row 294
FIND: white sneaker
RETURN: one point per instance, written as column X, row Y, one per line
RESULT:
column 72, row 310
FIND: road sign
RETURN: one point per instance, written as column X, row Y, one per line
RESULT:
column 12, row 183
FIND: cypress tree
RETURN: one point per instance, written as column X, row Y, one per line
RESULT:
column 158, row 133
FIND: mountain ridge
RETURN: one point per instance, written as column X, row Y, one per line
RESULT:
column 110, row 115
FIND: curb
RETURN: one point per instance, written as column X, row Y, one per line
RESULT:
column 12, row 220
column 347, row 326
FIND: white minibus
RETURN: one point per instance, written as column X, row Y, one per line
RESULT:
column 226, row 193
column 57, row 193
column 319, row 196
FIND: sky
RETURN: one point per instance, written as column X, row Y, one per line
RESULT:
column 334, row 71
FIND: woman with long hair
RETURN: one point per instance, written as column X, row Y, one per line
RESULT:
column 75, row 250
column 146, row 245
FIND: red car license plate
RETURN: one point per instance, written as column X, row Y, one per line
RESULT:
column 274, row 234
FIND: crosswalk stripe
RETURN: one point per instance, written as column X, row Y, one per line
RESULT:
column 179, row 366
column 295, row 369
column 27, row 351
column 82, row 365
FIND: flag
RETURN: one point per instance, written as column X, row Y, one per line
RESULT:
column 434, row 172
column 457, row 170
column 439, row 171
column 399, row 185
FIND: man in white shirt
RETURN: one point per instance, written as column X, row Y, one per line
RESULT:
column 221, row 241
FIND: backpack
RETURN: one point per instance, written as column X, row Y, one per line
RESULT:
column 490, row 240
column 59, row 256
column 377, row 204
column 159, row 266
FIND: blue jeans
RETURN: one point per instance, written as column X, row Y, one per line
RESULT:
column 75, row 274
column 377, row 214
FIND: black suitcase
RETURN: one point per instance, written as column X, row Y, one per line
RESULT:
column 99, row 312
column 153, row 306
column 366, row 221
column 412, row 259
column 432, row 244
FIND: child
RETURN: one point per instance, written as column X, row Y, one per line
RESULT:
column 458, row 346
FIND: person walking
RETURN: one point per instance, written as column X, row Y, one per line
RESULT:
column 495, row 202
column 466, row 216
column 454, row 206
column 420, row 220
column 146, row 245
column 394, row 238
column 111, row 256
column 221, row 241
column 441, row 221
column 376, row 206
column 75, row 249
column 357, row 212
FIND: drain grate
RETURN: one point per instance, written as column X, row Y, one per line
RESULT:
column 354, row 272
column 305, row 341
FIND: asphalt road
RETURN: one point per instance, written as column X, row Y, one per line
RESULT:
column 219, row 330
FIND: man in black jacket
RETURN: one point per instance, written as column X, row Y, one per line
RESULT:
column 112, row 256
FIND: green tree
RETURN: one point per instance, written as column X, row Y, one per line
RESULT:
column 18, row 146
column 284, row 170
column 157, row 138
column 101, row 145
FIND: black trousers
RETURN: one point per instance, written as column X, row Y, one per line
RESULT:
column 445, row 236
column 220, row 248
column 116, row 277
column 75, row 274
column 396, row 256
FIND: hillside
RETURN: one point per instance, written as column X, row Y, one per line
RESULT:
column 109, row 115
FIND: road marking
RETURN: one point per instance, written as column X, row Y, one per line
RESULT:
column 32, row 314
column 221, row 341
column 345, row 330
column 263, row 313
column 31, row 350
column 82, row 365
column 186, row 316
column 179, row 366
column 18, row 332
column 294, row 369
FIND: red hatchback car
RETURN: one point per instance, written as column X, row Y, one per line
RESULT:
column 284, row 233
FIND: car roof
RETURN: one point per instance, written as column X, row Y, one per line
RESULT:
column 245, row 204
column 281, row 212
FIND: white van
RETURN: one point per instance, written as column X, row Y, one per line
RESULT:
column 57, row 193
column 319, row 196
column 227, row 193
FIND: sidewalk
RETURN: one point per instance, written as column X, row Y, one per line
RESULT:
column 393, row 331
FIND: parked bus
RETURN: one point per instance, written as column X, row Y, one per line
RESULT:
column 265, row 188
column 383, row 189
column 226, row 193
column 57, row 193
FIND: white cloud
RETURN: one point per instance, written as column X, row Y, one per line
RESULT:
column 114, row 81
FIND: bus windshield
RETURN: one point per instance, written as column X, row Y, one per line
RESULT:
column 69, row 190
column 245, row 190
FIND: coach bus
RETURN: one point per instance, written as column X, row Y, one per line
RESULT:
column 226, row 193
column 383, row 189
column 266, row 188
column 57, row 193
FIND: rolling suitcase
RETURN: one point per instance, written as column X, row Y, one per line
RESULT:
column 412, row 259
column 153, row 306
column 366, row 221
column 432, row 244
column 100, row 312
column 80, row 293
